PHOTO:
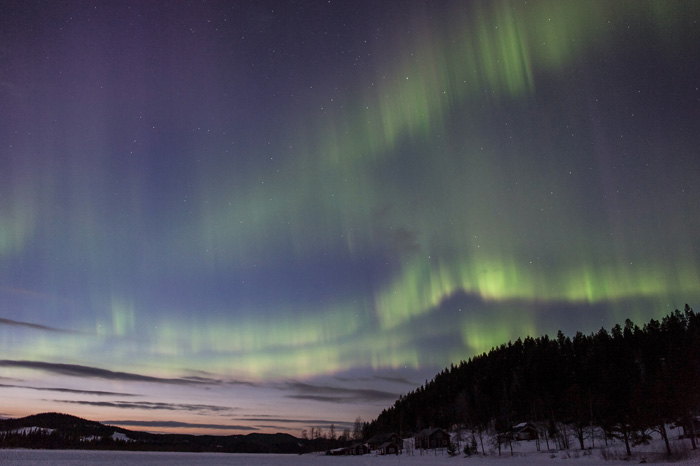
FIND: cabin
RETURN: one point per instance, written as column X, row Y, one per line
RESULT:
column 343, row 451
column 355, row 449
column 376, row 441
column 524, row 431
column 389, row 448
column 428, row 439
column 358, row 449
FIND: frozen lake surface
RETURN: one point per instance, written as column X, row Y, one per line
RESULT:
column 113, row 458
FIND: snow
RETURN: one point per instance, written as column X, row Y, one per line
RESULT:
column 120, row 436
column 431, row 458
column 45, row 430
column 524, row 453
column 31, row 430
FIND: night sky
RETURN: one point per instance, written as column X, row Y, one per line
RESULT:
column 226, row 217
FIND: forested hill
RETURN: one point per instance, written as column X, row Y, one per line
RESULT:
column 625, row 381
column 63, row 431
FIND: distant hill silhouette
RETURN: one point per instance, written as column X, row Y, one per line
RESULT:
column 63, row 431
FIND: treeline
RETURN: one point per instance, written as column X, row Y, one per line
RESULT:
column 624, row 383
column 316, row 439
column 57, row 440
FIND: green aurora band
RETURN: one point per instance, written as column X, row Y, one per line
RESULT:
column 449, row 226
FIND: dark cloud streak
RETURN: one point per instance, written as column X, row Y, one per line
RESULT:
column 329, row 394
column 148, row 405
column 76, row 370
column 169, row 424
column 68, row 390
column 283, row 420
column 16, row 323
column 399, row 380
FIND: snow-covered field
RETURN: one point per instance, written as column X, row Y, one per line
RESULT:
column 524, row 453
column 522, row 458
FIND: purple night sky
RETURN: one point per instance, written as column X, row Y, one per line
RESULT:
column 227, row 217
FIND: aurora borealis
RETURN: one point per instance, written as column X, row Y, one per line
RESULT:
column 265, row 216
